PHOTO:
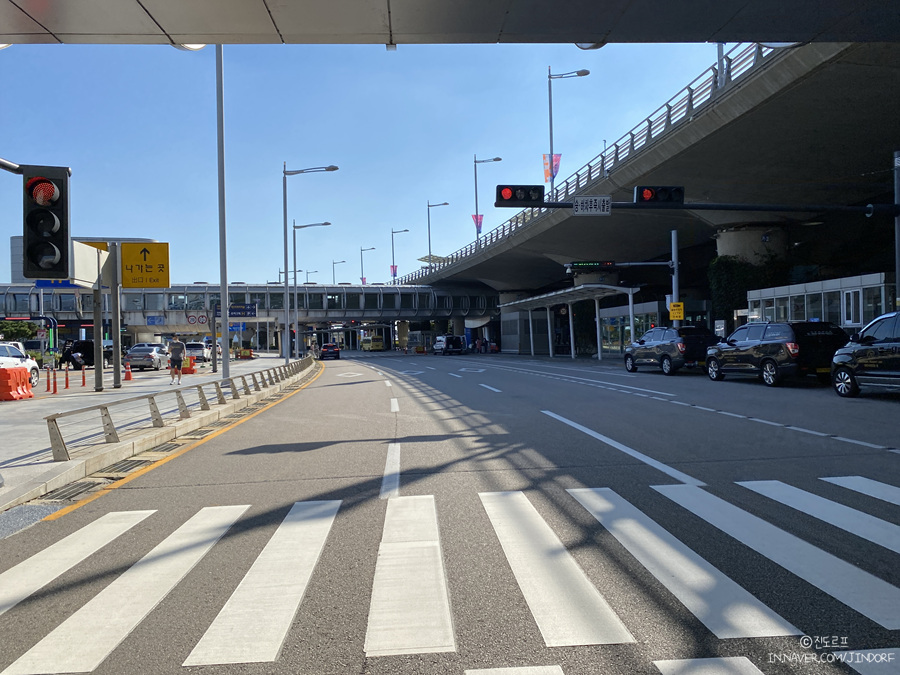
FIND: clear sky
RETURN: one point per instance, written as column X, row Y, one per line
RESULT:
column 137, row 125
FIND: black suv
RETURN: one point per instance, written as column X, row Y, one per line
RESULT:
column 773, row 351
column 872, row 357
column 85, row 351
column 670, row 348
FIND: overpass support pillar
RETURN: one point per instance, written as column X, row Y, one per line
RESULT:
column 458, row 326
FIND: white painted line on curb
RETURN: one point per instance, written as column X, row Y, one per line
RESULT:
column 395, row 405
column 491, row 388
column 390, row 483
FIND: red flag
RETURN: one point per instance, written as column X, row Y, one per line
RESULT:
column 478, row 220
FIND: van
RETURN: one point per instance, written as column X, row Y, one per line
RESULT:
column 448, row 344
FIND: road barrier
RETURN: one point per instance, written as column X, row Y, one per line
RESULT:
column 15, row 384
column 139, row 423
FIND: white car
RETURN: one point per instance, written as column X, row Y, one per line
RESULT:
column 13, row 357
column 199, row 350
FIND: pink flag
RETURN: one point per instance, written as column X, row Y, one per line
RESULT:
column 547, row 175
column 478, row 220
column 363, row 279
column 393, row 271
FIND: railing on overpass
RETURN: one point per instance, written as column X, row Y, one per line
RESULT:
column 739, row 61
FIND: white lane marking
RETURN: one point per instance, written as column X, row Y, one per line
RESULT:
column 566, row 606
column 30, row 575
column 870, row 661
column 728, row 665
column 430, row 368
column 86, row 638
column 387, row 383
column 253, row 624
column 390, row 483
column 523, row 670
column 867, row 486
column 395, row 405
column 410, row 607
column 554, row 376
column 723, row 606
column 491, row 388
column 856, row 522
column 805, row 431
column 454, row 375
column 669, row 471
column 859, row 590
column 862, row 443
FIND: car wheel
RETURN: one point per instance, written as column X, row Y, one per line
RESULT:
column 34, row 377
column 845, row 383
column 713, row 370
column 770, row 375
column 629, row 364
column 665, row 365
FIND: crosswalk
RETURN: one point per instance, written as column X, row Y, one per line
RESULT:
column 410, row 610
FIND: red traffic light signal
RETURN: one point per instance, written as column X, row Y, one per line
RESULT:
column 659, row 195
column 46, row 244
column 520, row 195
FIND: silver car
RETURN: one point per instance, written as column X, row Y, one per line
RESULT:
column 147, row 357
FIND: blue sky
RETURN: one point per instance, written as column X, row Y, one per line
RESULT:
column 137, row 125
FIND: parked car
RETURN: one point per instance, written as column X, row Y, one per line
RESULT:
column 670, row 349
column 773, row 351
column 13, row 357
column 870, row 359
column 199, row 350
column 448, row 344
column 147, row 357
column 329, row 351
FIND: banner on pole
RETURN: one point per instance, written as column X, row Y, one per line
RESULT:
column 393, row 271
column 478, row 220
column 547, row 170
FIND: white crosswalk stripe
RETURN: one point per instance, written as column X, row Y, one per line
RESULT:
column 867, row 594
column 410, row 610
column 29, row 576
column 724, row 607
column 254, row 622
column 80, row 643
column 853, row 521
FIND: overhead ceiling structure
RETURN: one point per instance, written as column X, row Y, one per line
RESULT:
column 590, row 23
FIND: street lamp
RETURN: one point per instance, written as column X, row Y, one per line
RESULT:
column 430, row 206
column 296, row 307
column 550, row 78
column 362, row 275
column 476, row 163
column 333, row 263
column 394, row 262
column 308, row 272
column 285, row 344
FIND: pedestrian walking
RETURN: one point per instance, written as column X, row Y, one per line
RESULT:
column 176, row 358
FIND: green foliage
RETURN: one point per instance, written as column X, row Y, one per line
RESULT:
column 731, row 277
column 17, row 331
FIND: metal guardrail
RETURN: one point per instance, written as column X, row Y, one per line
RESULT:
column 738, row 62
column 153, row 411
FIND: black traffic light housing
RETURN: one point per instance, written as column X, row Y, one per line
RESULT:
column 659, row 196
column 520, row 195
column 46, row 237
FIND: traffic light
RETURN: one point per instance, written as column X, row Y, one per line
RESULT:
column 46, row 242
column 659, row 196
column 520, row 195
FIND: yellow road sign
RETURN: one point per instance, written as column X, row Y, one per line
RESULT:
column 145, row 265
column 676, row 311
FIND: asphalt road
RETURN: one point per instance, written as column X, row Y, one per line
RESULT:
column 429, row 514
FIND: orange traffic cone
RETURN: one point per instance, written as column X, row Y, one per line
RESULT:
column 67, row 376
column 128, row 372
column 83, row 377
column 55, row 388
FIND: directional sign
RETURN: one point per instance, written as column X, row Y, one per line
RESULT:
column 593, row 205
column 145, row 265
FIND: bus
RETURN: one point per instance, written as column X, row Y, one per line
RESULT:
column 373, row 343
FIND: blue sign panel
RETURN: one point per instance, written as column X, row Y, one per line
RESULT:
column 239, row 309
column 233, row 327
column 54, row 283
column 156, row 321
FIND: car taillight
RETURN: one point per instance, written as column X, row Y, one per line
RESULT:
column 680, row 346
column 793, row 348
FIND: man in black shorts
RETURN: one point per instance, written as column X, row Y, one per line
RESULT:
column 176, row 358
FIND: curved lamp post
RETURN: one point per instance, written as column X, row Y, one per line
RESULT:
column 393, row 261
column 362, row 274
column 296, row 307
column 285, row 337
column 550, row 78
column 431, row 206
column 333, row 264
column 476, row 163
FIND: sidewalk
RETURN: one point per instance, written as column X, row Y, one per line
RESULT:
column 26, row 460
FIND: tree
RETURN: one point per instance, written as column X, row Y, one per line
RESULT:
column 18, row 331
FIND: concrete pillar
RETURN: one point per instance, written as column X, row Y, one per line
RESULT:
column 531, row 330
column 550, row 331
column 597, row 324
column 403, row 333
column 459, row 326
column 571, row 331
